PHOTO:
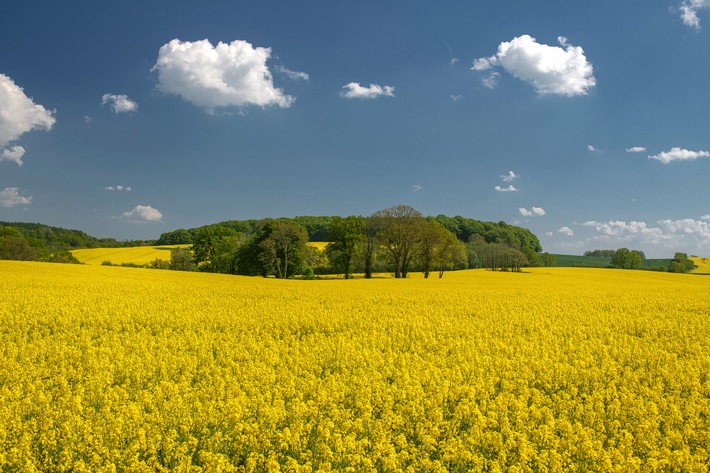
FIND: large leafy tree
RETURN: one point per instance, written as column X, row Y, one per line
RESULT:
column 346, row 235
column 399, row 233
column 438, row 247
column 282, row 247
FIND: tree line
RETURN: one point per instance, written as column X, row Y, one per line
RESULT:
column 625, row 258
column 397, row 239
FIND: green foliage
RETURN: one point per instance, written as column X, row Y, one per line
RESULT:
column 181, row 259
column 158, row 263
column 17, row 248
column 346, row 235
column 681, row 264
column 626, row 259
column 214, row 249
column 55, row 239
column 548, row 260
column 63, row 257
column 491, row 232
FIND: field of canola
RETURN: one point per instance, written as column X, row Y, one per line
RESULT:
column 107, row 369
column 140, row 255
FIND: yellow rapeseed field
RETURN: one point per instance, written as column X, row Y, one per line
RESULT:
column 107, row 369
column 702, row 265
column 140, row 255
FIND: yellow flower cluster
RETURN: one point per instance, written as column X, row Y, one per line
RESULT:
column 106, row 369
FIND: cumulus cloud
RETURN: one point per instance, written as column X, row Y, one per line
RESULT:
column 593, row 149
column 119, row 103
column 510, row 177
column 689, row 11
column 687, row 226
column 678, row 154
column 417, row 188
column 533, row 212
column 14, row 153
column 10, row 197
column 19, row 115
column 354, row 90
column 142, row 213
column 293, row 75
column 566, row 231
column 561, row 70
column 636, row 149
column 118, row 188
column 705, row 217
column 226, row 75
column 509, row 188
column 456, row 98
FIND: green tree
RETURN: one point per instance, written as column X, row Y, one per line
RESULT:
column 346, row 236
column 182, row 259
column 283, row 247
column 399, row 233
column 209, row 247
column 548, row 259
column 438, row 247
column 626, row 259
column 681, row 264
column 17, row 248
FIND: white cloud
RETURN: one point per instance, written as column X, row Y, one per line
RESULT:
column 142, row 213
column 705, row 217
column 417, row 188
column 689, row 11
column 620, row 228
column 293, row 75
column 533, row 212
column 687, row 226
column 119, row 103
column 636, row 149
column 19, row 115
column 510, row 188
column 118, row 188
column 456, row 98
column 510, row 177
column 10, row 197
column 355, row 91
column 593, row 149
column 566, row 231
column 491, row 80
column 561, row 70
column 14, row 154
column 226, row 75
column 678, row 154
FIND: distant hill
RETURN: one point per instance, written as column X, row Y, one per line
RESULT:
column 54, row 239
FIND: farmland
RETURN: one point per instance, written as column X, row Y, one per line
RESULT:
column 138, row 255
column 553, row 369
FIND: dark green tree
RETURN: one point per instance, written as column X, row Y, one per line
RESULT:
column 182, row 259
column 283, row 247
column 16, row 248
column 346, row 236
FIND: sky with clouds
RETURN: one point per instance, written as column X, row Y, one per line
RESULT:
column 585, row 122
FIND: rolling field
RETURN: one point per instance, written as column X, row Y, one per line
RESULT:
column 140, row 255
column 555, row 369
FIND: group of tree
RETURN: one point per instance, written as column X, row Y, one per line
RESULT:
column 625, row 258
column 397, row 239
column 56, row 239
column 15, row 246
column 681, row 264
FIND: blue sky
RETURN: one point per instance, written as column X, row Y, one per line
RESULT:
column 585, row 122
